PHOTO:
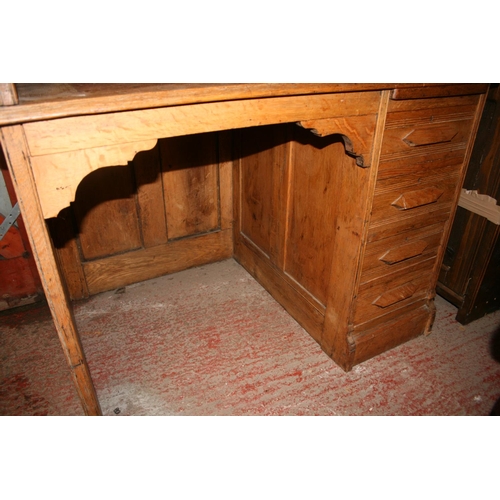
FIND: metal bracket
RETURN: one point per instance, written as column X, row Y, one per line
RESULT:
column 9, row 220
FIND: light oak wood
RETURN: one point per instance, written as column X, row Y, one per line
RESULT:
column 418, row 198
column 356, row 131
column 124, row 269
column 48, row 101
column 426, row 91
column 480, row 204
column 17, row 156
column 121, row 211
column 396, row 295
column 310, row 223
column 88, row 132
column 190, row 194
column 8, row 94
column 58, row 176
column 408, row 251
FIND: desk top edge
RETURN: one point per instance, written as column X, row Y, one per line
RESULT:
column 44, row 101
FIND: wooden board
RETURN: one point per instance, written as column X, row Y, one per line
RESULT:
column 179, row 189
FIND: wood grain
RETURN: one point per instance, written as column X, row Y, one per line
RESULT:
column 150, row 203
column 17, row 158
column 396, row 295
column 106, row 213
column 89, row 132
column 313, row 209
column 125, row 269
column 351, row 228
column 417, row 198
column 58, row 176
column 49, row 101
column 190, row 183
column 8, row 94
column 439, row 91
column 403, row 252
column 262, row 190
column 356, row 131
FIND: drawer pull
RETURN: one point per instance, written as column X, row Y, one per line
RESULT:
column 395, row 255
column 394, row 296
column 431, row 135
column 414, row 199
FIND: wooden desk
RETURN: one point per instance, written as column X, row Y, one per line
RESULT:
column 342, row 219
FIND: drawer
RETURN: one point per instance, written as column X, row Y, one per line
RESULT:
column 423, row 126
column 385, row 294
column 406, row 226
column 421, row 166
column 408, row 196
column 398, row 252
column 393, row 330
column 423, row 138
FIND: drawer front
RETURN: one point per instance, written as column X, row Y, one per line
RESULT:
column 418, row 127
column 400, row 251
column 417, row 139
column 409, row 196
column 385, row 294
column 407, row 226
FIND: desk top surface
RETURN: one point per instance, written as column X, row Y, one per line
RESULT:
column 48, row 100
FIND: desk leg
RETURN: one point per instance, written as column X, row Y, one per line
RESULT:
column 17, row 155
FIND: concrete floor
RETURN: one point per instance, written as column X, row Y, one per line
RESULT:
column 211, row 341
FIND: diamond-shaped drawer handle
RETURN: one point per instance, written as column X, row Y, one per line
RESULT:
column 431, row 135
column 418, row 198
column 403, row 252
column 394, row 296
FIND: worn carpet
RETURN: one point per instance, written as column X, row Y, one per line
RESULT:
column 212, row 341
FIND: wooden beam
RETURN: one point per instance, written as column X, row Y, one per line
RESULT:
column 16, row 152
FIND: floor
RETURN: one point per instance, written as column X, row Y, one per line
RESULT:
column 211, row 341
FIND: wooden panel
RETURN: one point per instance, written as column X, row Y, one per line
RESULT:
column 421, row 138
column 391, row 291
column 262, row 189
column 58, row 176
column 190, row 183
column 141, row 215
column 441, row 91
column 421, row 166
column 297, row 301
column 225, row 153
column 131, row 267
column 65, row 240
column 147, row 170
column 407, row 226
column 411, row 109
column 419, row 127
column 404, row 326
column 111, row 227
column 314, row 185
column 42, row 101
column 89, row 132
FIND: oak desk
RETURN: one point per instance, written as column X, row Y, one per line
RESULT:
column 342, row 218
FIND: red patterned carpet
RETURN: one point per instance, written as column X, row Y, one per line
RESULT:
column 211, row 341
